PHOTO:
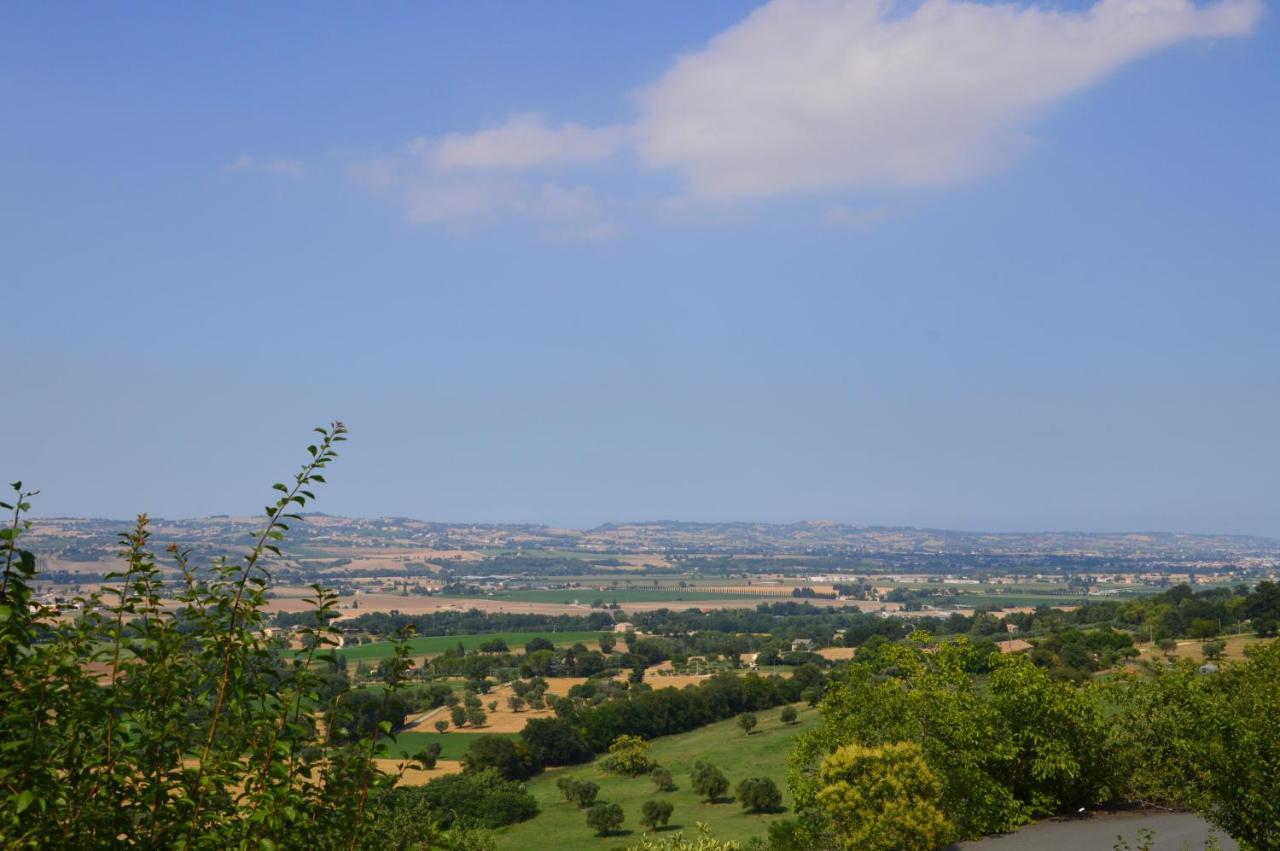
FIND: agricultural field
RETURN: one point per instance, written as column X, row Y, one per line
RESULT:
column 762, row 754
column 432, row 645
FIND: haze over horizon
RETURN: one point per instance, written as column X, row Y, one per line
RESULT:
column 568, row 264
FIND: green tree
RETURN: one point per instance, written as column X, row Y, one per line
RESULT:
column 476, row 717
column 164, row 714
column 656, row 814
column 441, row 725
column 459, row 714
column 662, row 779
column 509, row 757
column 788, row 715
column 1213, row 650
column 747, row 721
column 605, row 819
column 629, row 756
column 707, row 781
column 882, row 799
column 759, row 795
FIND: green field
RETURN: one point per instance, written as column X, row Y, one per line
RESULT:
column 763, row 754
column 453, row 745
column 434, row 644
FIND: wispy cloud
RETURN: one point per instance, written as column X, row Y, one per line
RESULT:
column 828, row 97
column 831, row 94
column 524, row 141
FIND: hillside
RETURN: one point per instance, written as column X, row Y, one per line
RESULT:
column 762, row 754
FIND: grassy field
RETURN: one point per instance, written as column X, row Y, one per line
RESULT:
column 763, row 754
column 453, row 745
column 433, row 644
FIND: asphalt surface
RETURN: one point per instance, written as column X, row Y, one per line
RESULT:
column 1100, row 832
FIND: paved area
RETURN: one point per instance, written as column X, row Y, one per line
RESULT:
column 1099, row 832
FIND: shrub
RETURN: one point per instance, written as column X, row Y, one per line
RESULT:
column 759, row 794
column 604, row 819
column 655, row 814
column 662, row 779
column 747, row 721
column 788, row 715
column 708, row 782
column 441, row 725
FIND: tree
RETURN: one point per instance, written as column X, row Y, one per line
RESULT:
column 747, row 721
column 629, row 756
column 509, row 757
column 555, row 741
column 788, row 715
column 515, row 703
column 459, row 715
column 1167, row 646
column 882, row 799
column 708, row 782
column 656, row 814
column 759, row 795
column 580, row 792
column 604, row 819
column 427, row 756
column 441, row 725
column 662, row 779
column 607, row 642
column 202, row 732
column 536, row 644
column 476, row 717
column 1213, row 650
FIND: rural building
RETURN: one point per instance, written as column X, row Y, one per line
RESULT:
column 800, row 645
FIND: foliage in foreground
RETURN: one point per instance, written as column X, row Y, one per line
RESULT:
column 163, row 716
column 987, row 757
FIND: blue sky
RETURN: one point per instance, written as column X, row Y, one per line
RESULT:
column 952, row 264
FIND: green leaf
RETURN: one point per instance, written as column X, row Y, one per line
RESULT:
column 25, row 798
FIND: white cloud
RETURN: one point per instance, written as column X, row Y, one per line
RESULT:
column 821, row 96
column 524, row 141
column 828, row 94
